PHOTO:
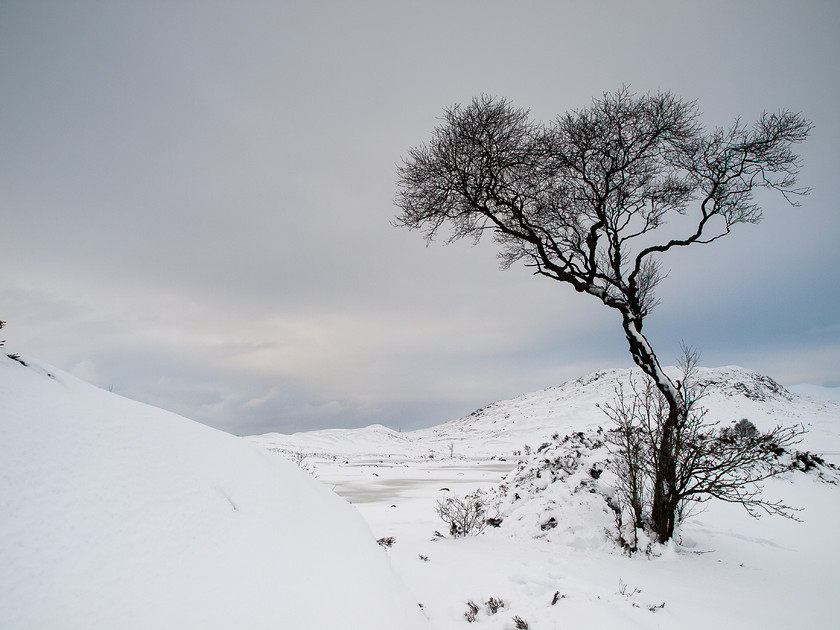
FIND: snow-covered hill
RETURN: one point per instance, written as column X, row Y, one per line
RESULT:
column 508, row 426
column 554, row 561
column 114, row 514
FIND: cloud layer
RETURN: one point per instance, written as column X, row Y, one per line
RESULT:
column 197, row 200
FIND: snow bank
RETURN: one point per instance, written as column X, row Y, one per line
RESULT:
column 114, row 514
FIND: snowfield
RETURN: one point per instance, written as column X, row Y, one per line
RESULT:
column 554, row 561
column 114, row 514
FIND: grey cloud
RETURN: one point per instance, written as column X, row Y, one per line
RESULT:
column 195, row 201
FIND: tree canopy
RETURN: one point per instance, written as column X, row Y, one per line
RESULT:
column 585, row 198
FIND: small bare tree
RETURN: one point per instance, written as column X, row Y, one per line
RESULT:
column 630, row 449
column 586, row 200
column 728, row 463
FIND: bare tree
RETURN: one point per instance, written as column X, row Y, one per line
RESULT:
column 630, row 449
column 729, row 464
column 586, row 200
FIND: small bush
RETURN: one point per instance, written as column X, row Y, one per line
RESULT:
column 299, row 458
column 806, row 461
column 521, row 624
column 472, row 611
column 626, row 591
column 466, row 515
column 494, row 605
column 387, row 541
column 744, row 428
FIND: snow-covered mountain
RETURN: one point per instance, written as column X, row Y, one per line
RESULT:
column 114, row 514
column 504, row 427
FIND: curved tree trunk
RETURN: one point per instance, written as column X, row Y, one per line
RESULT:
column 664, row 508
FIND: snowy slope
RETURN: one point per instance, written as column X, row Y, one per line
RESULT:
column 114, row 514
column 831, row 394
column 554, row 561
column 507, row 426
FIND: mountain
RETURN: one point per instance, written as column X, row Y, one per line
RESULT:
column 115, row 514
column 504, row 427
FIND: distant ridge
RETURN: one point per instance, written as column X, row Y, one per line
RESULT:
column 503, row 427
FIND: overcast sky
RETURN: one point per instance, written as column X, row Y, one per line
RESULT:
column 196, row 200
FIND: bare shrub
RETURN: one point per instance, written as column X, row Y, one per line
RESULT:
column 727, row 464
column 494, row 605
column 744, row 428
column 626, row 591
column 299, row 458
column 465, row 516
column 472, row 611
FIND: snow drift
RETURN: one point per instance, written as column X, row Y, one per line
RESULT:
column 115, row 514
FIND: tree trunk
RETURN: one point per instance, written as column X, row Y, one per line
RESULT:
column 664, row 508
column 663, row 511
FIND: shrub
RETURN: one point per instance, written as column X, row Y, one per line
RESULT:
column 494, row 605
column 472, row 611
column 705, row 462
column 466, row 515
column 744, row 428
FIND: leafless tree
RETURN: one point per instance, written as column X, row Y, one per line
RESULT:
column 586, row 200
column 630, row 449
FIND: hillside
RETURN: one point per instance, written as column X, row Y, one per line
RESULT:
column 114, row 514
column 117, row 514
column 507, row 426
column 554, row 561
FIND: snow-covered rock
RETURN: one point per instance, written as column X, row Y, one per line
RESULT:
column 115, row 514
